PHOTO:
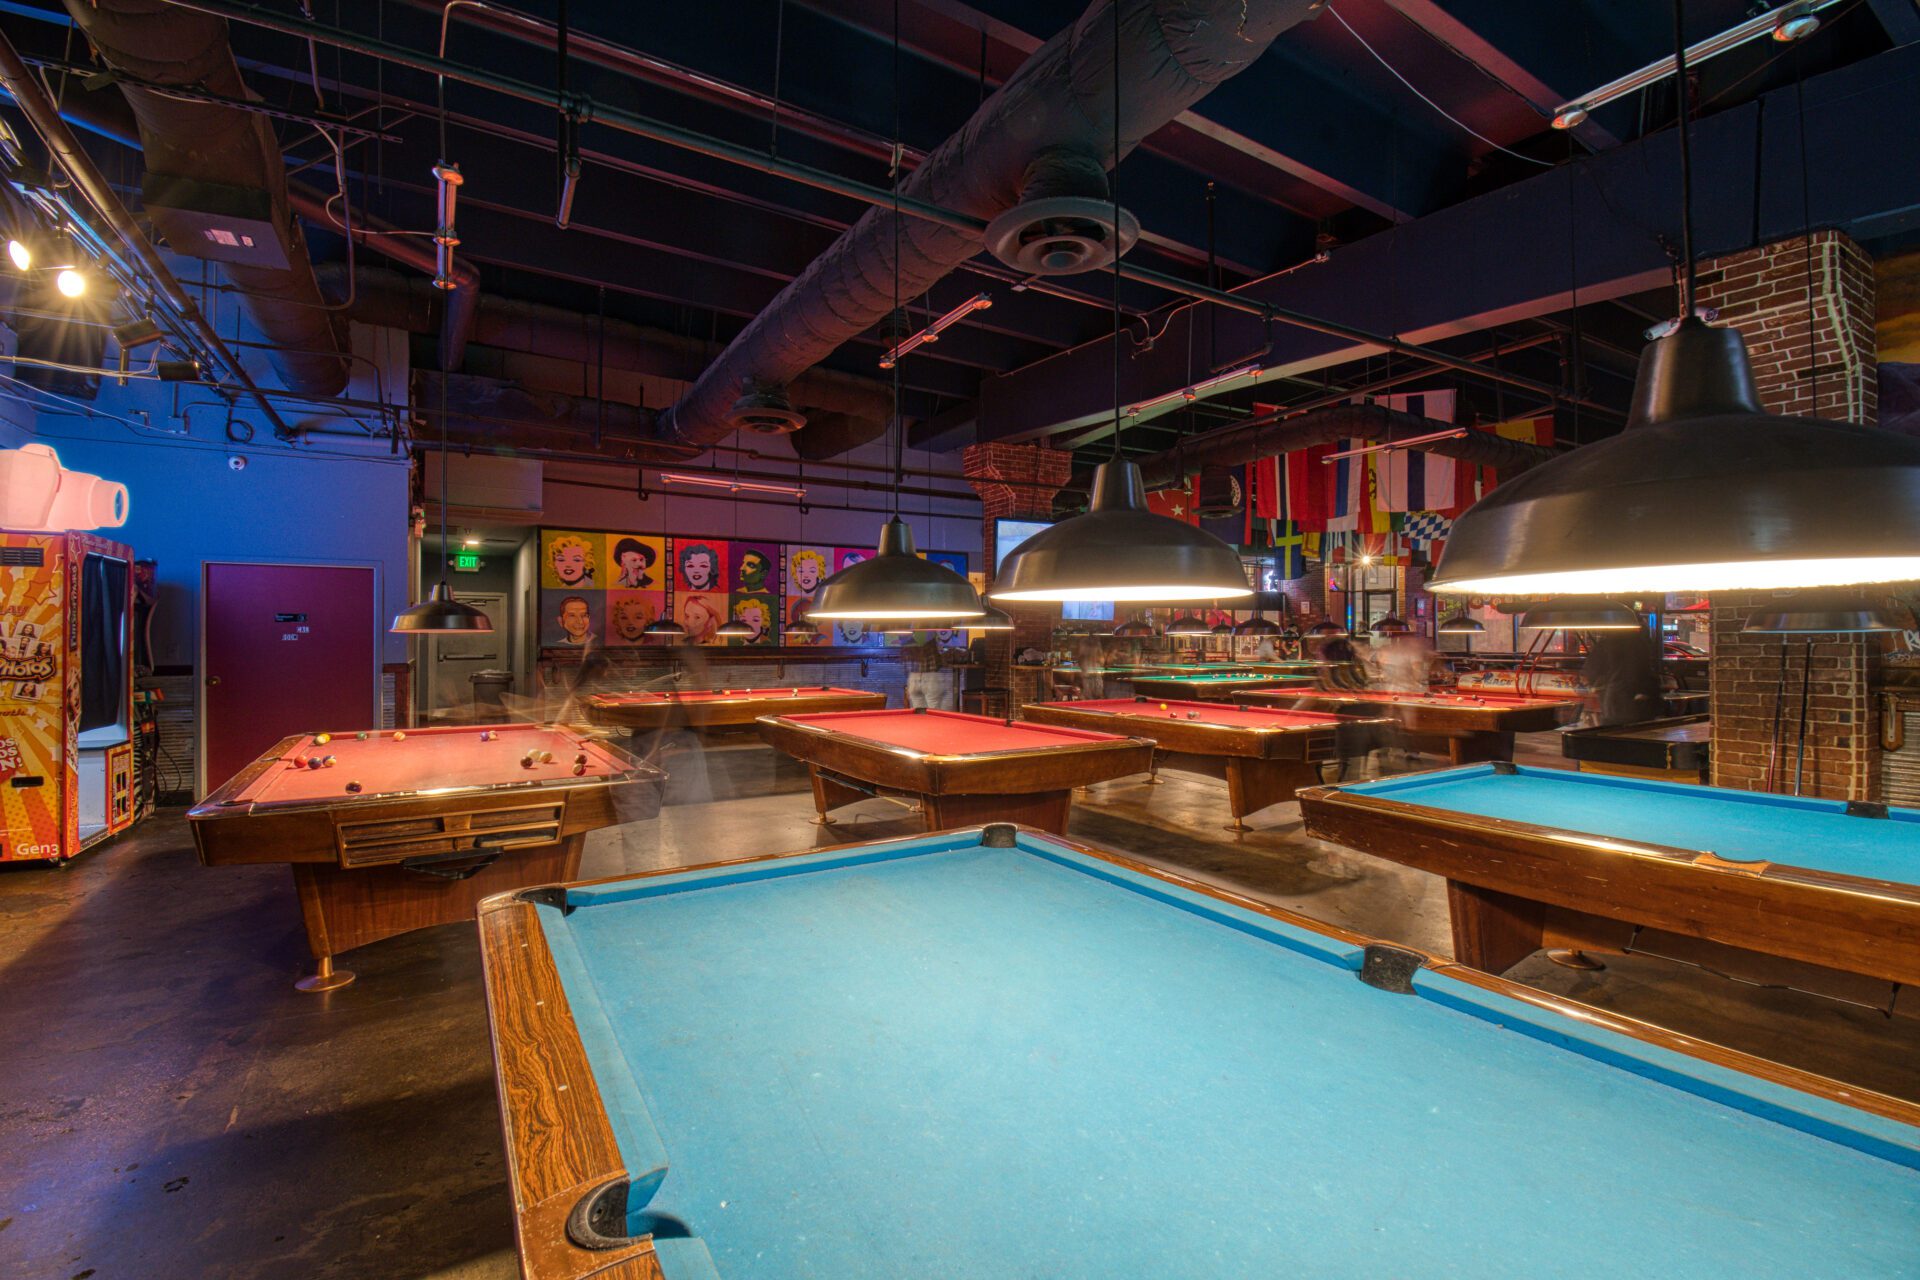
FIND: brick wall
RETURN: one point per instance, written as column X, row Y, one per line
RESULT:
column 1036, row 473
column 1764, row 293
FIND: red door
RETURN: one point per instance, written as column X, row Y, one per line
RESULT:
column 285, row 648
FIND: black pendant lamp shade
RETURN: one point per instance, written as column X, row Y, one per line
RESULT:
column 1703, row 491
column 1461, row 625
column 1119, row 550
column 665, row 630
column 1326, row 629
column 1224, row 630
column 441, row 614
column 1135, row 629
column 1258, row 626
column 898, row 586
column 1580, row 615
column 803, row 632
column 734, row 629
column 1821, row 614
column 1391, row 625
column 1187, row 625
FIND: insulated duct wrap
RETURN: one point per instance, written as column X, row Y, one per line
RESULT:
column 1033, row 136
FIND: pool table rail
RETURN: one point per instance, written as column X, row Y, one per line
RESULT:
column 568, row 1177
column 1518, row 887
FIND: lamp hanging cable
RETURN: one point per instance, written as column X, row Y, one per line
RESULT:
column 1688, row 279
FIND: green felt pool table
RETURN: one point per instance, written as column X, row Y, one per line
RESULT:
column 994, row 1053
column 1552, row 858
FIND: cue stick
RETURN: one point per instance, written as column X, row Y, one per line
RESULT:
column 1779, row 711
column 1806, row 678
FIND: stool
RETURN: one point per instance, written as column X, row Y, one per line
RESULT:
column 984, row 699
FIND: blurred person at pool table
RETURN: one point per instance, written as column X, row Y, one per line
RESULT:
column 1623, row 675
column 1340, row 665
column 1405, row 663
column 1091, row 658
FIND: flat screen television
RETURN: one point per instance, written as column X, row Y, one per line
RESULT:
column 1008, row 534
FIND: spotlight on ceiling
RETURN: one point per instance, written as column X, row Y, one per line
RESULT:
column 20, row 255
column 71, row 282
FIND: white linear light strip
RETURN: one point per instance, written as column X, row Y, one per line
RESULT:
column 733, row 486
column 1571, row 113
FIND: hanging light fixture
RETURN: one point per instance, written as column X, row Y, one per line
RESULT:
column 1222, row 630
column 1135, row 629
column 664, row 631
column 1187, row 626
column 1119, row 550
column 440, row 613
column 802, row 632
column 1580, row 615
column 895, row 584
column 735, row 629
column 1390, row 625
column 992, row 620
column 1460, row 624
column 1326, row 629
column 1704, row 490
column 1821, row 614
column 1259, row 626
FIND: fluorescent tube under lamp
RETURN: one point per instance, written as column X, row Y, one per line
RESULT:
column 733, row 486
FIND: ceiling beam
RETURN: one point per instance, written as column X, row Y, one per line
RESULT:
column 1513, row 254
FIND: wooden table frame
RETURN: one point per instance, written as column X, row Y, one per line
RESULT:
column 1261, row 765
column 564, row 1165
column 1466, row 734
column 371, row 866
column 1033, row 785
column 736, row 709
column 1639, row 750
column 1514, row 888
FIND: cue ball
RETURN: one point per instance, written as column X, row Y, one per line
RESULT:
column 322, row 739
column 353, row 786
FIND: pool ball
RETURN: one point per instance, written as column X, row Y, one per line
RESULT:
column 579, row 767
column 329, row 762
column 399, row 735
column 313, row 762
column 526, row 762
column 322, row 739
column 361, row 736
column 353, row 787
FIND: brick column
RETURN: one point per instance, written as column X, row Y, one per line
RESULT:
column 1038, row 473
column 1764, row 293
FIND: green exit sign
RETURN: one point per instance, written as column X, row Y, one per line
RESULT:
column 467, row 561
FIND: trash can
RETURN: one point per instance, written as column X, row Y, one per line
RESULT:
column 489, row 694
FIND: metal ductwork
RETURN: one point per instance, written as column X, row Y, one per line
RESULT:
column 842, row 411
column 1043, row 140
column 1376, row 424
column 216, row 181
column 491, row 413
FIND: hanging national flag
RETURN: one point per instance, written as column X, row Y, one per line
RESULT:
column 1289, row 551
column 1230, row 528
column 1346, row 493
column 1175, row 501
column 1426, row 526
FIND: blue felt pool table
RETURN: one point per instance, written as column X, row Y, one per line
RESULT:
column 996, row 1053
column 1546, row 858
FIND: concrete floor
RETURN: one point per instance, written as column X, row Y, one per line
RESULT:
column 171, row 1107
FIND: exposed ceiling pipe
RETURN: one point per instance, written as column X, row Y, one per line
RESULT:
column 1043, row 134
column 457, row 305
column 1237, row 446
column 844, row 410
column 202, row 159
column 30, row 96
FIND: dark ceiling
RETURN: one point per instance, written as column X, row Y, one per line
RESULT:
column 1319, row 144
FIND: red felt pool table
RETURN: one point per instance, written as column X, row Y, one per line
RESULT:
column 1264, row 753
column 645, row 709
column 961, row 769
column 412, row 828
column 1468, row 727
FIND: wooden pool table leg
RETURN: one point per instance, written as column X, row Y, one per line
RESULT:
column 1253, row 784
column 1474, row 748
column 1493, row 931
column 829, row 794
